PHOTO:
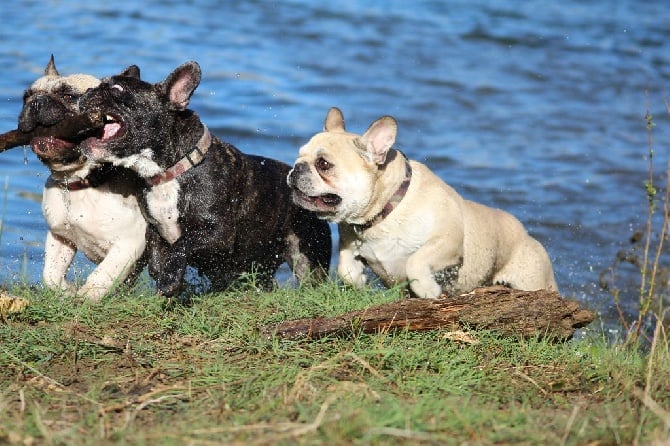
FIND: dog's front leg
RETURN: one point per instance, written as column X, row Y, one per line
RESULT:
column 350, row 267
column 114, row 268
column 171, row 274
column 58, row 255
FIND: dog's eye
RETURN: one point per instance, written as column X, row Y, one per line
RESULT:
column 323, row 165
column 117, row 87
column 69, row 98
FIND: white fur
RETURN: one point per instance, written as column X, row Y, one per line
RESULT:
column 106, row 227
column 142, row 163
column 162, row 202
column 161, row 199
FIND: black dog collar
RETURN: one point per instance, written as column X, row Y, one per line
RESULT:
column 190, row 160
column 392, row 203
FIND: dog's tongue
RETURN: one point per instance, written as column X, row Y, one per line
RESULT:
column 110, row 130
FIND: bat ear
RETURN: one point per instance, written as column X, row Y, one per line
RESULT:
column 181, row 83
column 50, row 69
column 379, row 138
column 334, row 120
column 131, row 71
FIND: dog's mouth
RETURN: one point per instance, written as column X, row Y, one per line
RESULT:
column 317, row 203
column 50, row 148
column 112, row 129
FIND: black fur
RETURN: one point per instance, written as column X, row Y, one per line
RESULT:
column 235, row 210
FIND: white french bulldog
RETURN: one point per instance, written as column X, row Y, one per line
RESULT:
column 88, row 207
column 405, row 223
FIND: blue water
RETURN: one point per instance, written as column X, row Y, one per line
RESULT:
column 535, row 107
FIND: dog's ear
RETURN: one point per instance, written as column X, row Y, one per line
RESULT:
column 334, row 120
column 379, row 138
column 131, row 71
column 50, row 69
column 181, row 83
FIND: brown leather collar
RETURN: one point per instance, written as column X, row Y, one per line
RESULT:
column 95, row 178
column 70, row 184
column 395, row 199
column 190, row 160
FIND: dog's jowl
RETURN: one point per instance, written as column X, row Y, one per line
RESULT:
column 223, row 212
column 399, row 218
column 89, row 207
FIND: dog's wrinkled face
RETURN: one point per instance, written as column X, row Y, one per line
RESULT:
column 135, row 110
column 336, row 171
column 49, row 100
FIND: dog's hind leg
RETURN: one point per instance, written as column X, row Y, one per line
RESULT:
column 58, row 255
column 529, row 268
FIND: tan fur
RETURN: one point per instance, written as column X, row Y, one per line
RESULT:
column 79, row 82
column 432, row 230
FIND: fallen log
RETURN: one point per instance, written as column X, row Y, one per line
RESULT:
column 511, row 312
column 69, row 129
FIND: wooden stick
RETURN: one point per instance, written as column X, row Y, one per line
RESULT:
column 68, row 128
column 512, row 312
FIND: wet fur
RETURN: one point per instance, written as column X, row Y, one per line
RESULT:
column 229, row 216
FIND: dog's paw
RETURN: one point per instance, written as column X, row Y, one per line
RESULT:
column 168, row 286
column 425, row 288
column 63, row 289
column 91, row 293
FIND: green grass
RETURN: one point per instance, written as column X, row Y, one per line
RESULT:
column 130, row 371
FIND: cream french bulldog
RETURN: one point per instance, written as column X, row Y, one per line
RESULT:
column 397, row 217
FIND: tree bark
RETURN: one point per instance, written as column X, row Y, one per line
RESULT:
column 69, row 128
column 511, row 312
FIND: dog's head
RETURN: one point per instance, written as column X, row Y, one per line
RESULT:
column 139, row 116
column 49, row 100
column 337, row 173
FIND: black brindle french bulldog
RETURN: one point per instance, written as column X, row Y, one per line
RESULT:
column 223, row 212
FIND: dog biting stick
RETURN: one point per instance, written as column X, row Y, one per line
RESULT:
column 69, row 128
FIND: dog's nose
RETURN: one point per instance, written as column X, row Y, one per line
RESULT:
column 40, row 110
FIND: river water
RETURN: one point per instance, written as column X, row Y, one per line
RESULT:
column 535, row 107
